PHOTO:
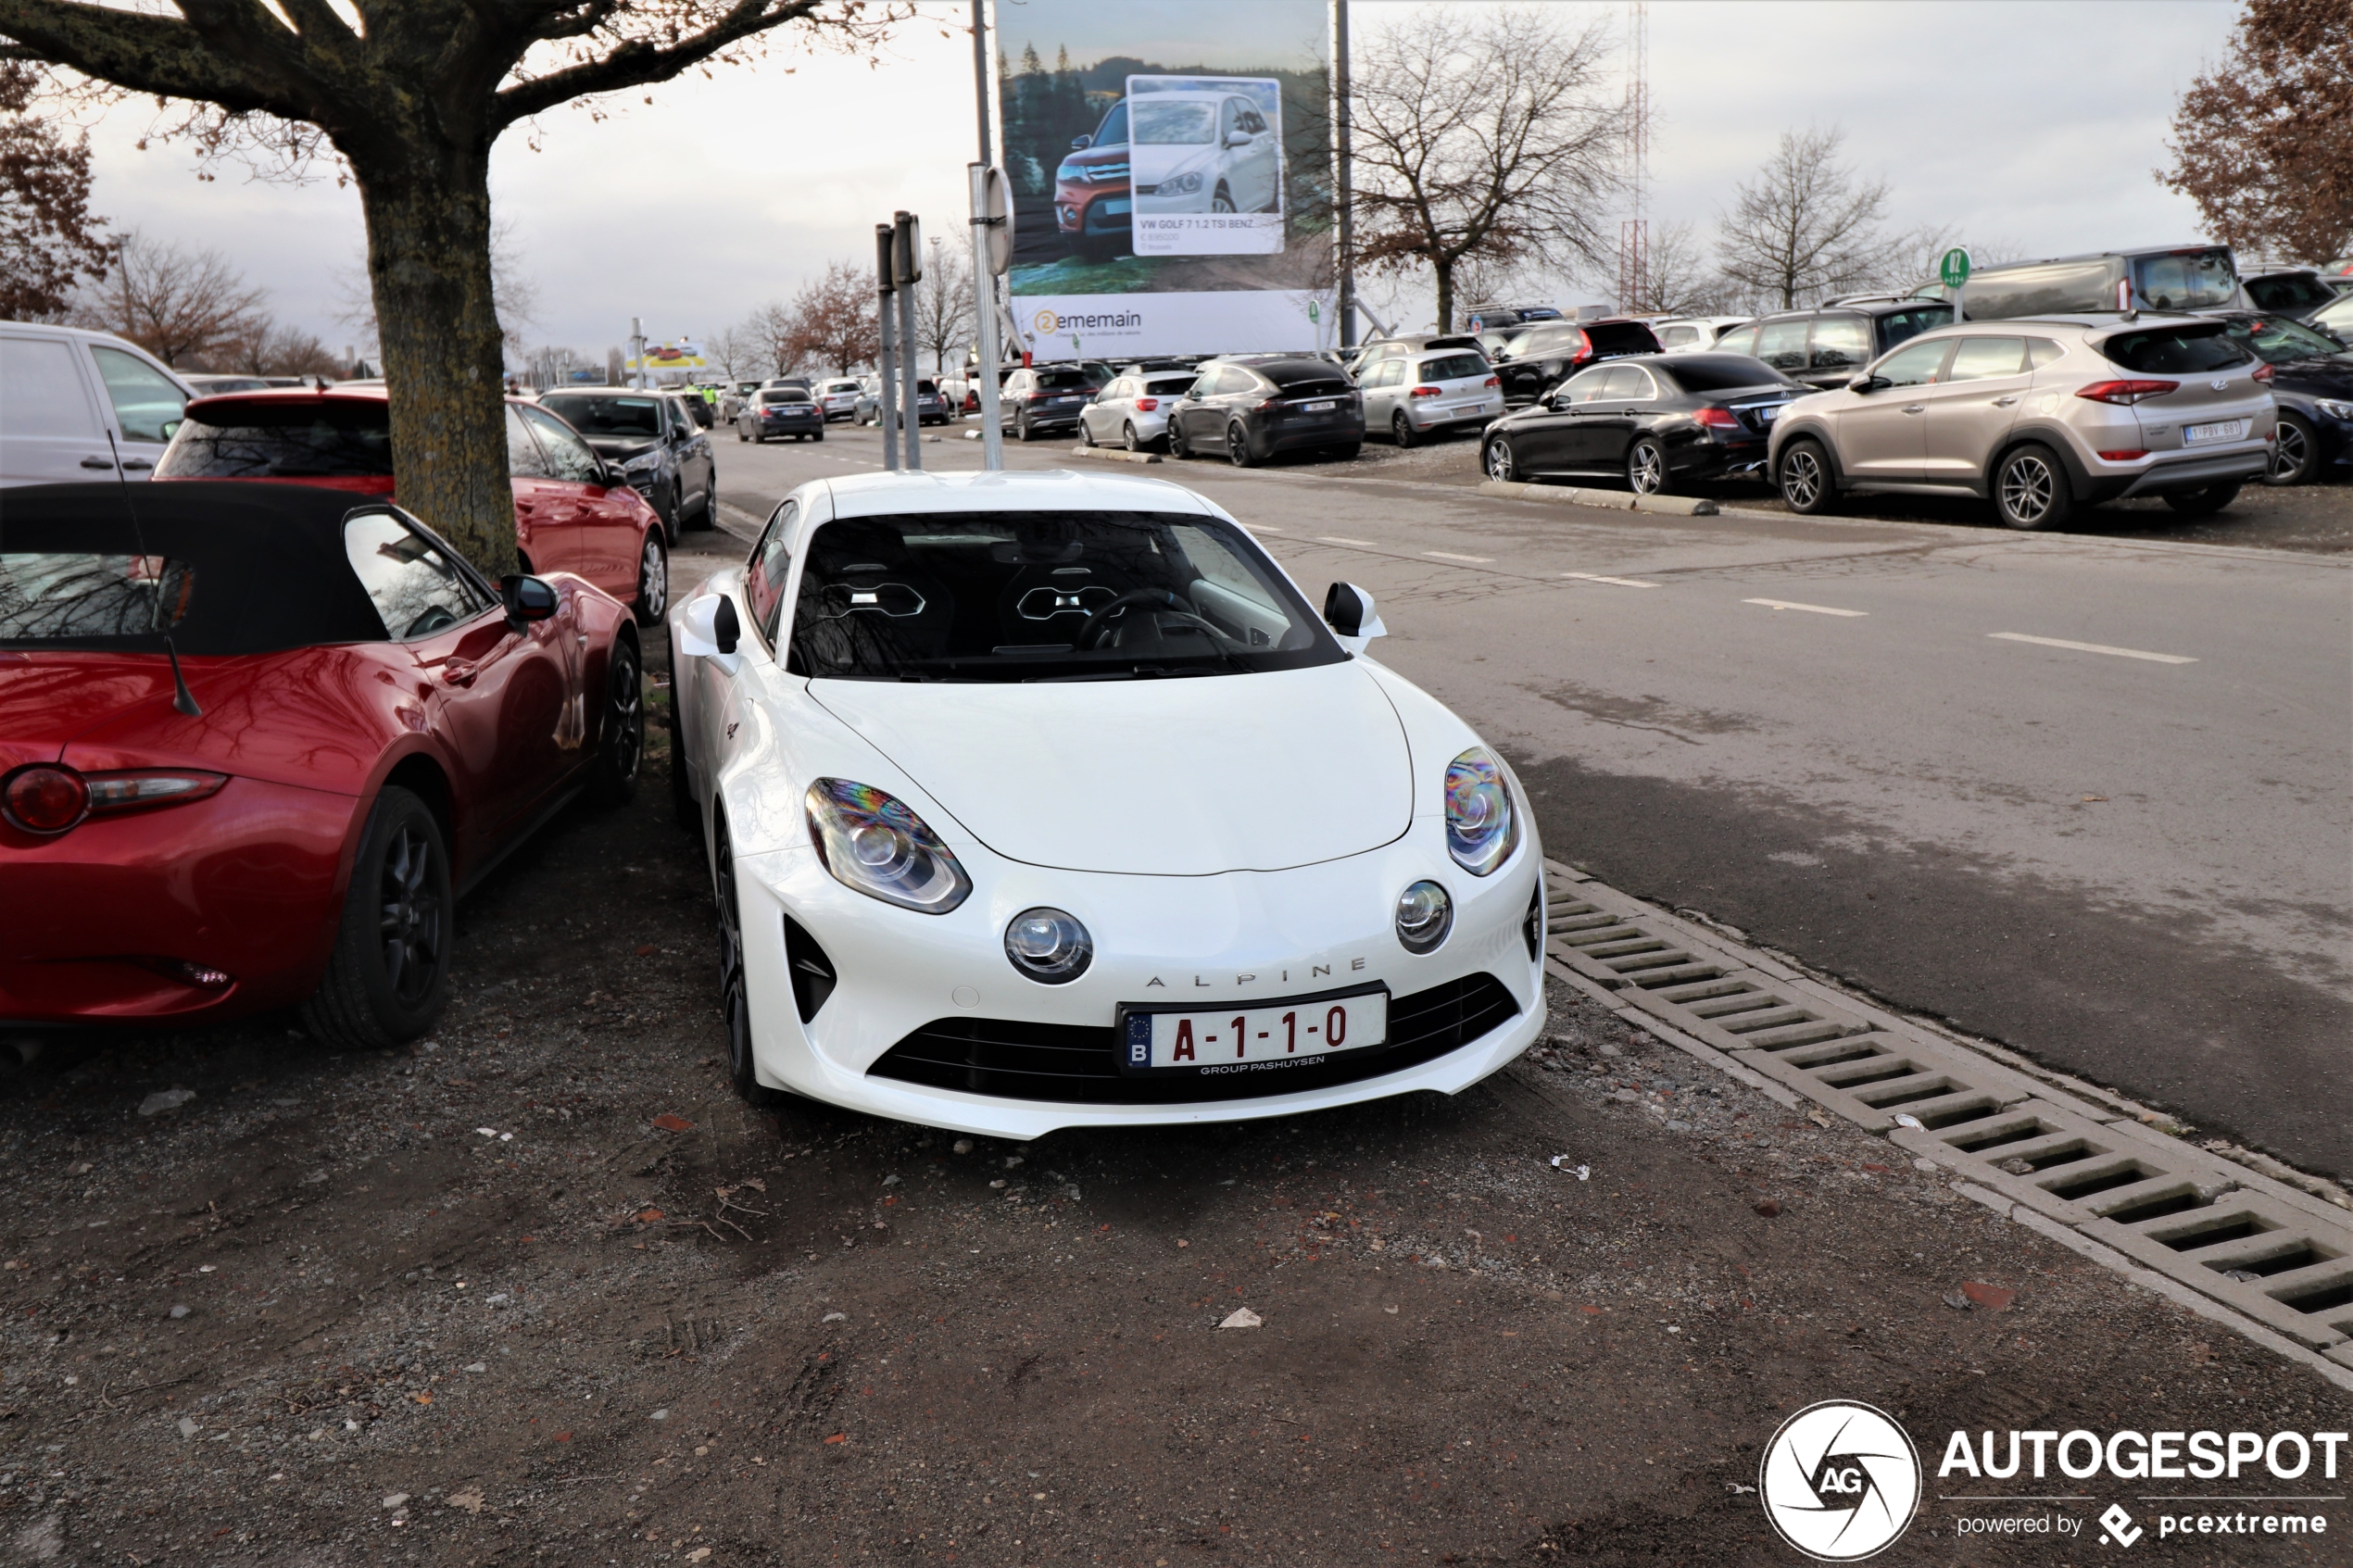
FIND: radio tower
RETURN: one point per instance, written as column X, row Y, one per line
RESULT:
column 1634, row 232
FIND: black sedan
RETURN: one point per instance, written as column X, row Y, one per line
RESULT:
column 2312, row 382
column 1659, row 421
column 781, row 410
column 1538, row 359
column 651, row 438
column 1253, row 409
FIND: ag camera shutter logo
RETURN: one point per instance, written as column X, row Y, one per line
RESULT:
column 1839, row 1481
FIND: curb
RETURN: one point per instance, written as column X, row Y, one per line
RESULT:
column 1115, row 454
column 1612, row 500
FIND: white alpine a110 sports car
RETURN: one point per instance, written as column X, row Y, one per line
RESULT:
column 1046, row 800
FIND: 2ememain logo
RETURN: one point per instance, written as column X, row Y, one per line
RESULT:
column 1839, row 1481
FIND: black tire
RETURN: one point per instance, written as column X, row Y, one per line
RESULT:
column 2294, row 454
column 1128, row 436
column 667, row 509
column 1176, row 446
column 1805, row 481
column 819, row 436
column 621, row 733
column 1646, row 471
column 2031, row 490
column 2203, row 502
column 389, row 975
column 734, row 1001
column 1085, row 433
column 1238, row 446
column 706, row 514
column 1021, row 426
column 653, row 579
column 1221, row 199
column 1401, row 430
column 739, row 434
column 1497, row 462
column 760, row 438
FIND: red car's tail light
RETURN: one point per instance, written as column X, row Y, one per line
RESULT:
column 2126, row 393
column 2263, row 372
column 1719, row 418
column 2129, row 455
column 1428, row 391
column 1146, row 404
column 45, row 799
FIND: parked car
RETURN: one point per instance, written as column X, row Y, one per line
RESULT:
column 1038, row 399
column 1203, row 151
column 367, row 724
column 1480, row 320
column 2335, row 319
column 781, row 410
column 2312, row 384
column 1133, row 410
column 2039, row 416
column 1092, row 207
column 2295, row 293
column 1661, row 423
column 1534, row 361
column 1825, row 348
column 902, row 660
column 1695, row 335
column 79, row 402
column 1412, row 400
column 659, row 448
column 206, row 383
column 1251, row 410
column 2165, row 277
column 838, row 398
column 573, row 511
column 733, row 397
column 1405, row 346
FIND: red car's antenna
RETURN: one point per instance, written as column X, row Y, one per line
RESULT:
column 183, row 698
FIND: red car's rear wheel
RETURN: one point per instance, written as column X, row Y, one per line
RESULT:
column 389, row 974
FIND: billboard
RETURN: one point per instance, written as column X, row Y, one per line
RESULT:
column 1172, row 176
column 675, row 357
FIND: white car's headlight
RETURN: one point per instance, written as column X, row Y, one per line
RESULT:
column 1481, row 828
column 871, row 842
column 1182, row 185
column 1048, row 945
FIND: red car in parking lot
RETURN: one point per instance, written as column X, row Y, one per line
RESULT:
column 366, row 726
column 573, row 512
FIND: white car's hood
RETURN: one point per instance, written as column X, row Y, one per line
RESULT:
column 1185, row 777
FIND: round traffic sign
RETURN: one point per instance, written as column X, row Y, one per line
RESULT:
column 1953, row 268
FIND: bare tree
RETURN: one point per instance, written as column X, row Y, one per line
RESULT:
column 411, row 96
column 736, row 351
column 180, row 305
column 49, row 239
column 832, row 320
column 2264, row 142
column 1808, row 226
column 1682, row 281
column 275, row 349
column 944, row 320
column 1494, row 136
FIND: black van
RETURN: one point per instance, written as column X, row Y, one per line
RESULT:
column 2185, row 280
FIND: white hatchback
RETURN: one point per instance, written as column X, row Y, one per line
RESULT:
column 839, row 398
column 1037, row 801
column 1133, row 410
column 1413, row 398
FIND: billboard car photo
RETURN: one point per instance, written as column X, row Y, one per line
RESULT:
column 1206, row 166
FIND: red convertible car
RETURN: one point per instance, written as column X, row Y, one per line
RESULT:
column 256, row 738
column 573, row 511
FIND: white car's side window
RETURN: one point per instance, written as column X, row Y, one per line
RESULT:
column 767, row 572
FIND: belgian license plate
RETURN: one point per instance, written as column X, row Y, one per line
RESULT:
column 2226, row 430
column 1268, row 1037
column 1769, row 415
column 1326, row 406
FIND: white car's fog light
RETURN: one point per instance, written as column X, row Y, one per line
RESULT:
column 1047, row 945
column 871, row 842
column 1425, row 914
column 1481, row 828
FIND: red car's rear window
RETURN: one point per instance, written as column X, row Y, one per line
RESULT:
column 326, row 438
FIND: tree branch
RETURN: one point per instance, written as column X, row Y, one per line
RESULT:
column 146, row 53
column 635, row 63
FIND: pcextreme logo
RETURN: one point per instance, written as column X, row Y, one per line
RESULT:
column 1839, row 1481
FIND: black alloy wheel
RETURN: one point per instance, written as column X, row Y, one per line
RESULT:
column 653, row 580
column 1646, row 469
column 1806, row 480
column 1176, row 446
column 2031, row 490
column 1238, row 446
column 389, row 973
column 2293, row 454
column 2205, row 501
column 1499, row 462
column 1401, row 430
column 621, row 744
column 735, row 998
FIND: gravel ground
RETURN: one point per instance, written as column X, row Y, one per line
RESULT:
column 2314, row 518
column 539, row 1287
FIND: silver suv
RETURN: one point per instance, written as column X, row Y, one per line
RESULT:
column 2039, row 416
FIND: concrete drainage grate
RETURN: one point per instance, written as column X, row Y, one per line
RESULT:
column 2279, row 1255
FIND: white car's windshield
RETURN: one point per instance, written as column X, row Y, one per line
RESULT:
column 1048, row 596
column 1174, row 124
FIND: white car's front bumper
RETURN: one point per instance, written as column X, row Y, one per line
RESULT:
column 930, row 1022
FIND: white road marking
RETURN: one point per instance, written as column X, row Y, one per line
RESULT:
column 1468, row 560
column 1811, row 610
column 1335, row 539
column 2091, row 647
column 1614, row 581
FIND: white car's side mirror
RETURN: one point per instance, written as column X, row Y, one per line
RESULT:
column 710, row 630
column 1349, row 611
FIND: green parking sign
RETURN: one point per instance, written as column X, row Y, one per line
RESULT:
column 1954, row 269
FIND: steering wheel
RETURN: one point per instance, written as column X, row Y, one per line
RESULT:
column 1092, row 632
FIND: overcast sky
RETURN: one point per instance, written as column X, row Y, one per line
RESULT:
column 2024, row 120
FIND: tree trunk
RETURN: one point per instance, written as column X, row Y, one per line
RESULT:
column 429, row 267
column 1445, row 274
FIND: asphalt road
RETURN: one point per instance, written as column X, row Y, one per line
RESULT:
column 2134, row 868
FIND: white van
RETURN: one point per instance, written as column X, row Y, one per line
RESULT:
column 64, row 391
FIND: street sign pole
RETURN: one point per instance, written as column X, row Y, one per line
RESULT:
column 886, row 368
column 1952, row 270
column 907, row 270
column 992, row 251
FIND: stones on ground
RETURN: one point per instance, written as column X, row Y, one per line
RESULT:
column 1675, row 1126
column 164, row 1100
column 2018, row 1166
column 179, row 1311
column 1927, row 1167
column 1241, row 1317
column 1956, row 1301
column 1768, row 1206
column 1817, row 1118
column 187, row 1427
column 397, row 1499
column 1013, row 1161
column 1993, row 1297
column 835, row 1317
column 671, row 1122
column 477, row 1366
column 961, row 1145
column 658, row 1415
column 703, row 1553
column 1905, row 1118
column 471, row 1500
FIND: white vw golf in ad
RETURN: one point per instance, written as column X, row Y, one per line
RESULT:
column 1046, row 800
